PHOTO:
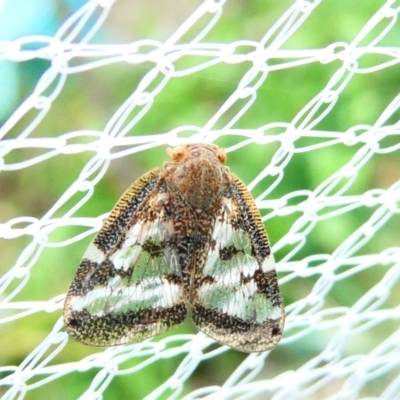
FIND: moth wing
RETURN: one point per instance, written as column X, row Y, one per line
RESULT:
column 128, row 286
column 237, row 299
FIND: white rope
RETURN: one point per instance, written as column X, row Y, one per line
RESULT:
column 341, row 339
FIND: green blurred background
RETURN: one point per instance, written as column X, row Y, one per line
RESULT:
column 89, row 99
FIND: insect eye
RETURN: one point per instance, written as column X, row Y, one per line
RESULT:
column 176, row 153
column 221, row 156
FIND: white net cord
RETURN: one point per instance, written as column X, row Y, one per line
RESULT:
column 305, row 98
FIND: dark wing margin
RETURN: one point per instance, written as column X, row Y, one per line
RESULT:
column 128, row 286
column 236, row 300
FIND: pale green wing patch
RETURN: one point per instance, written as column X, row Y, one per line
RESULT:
column 237, row 300
column 132, row 291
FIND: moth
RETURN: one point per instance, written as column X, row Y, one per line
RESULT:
column 186, row 236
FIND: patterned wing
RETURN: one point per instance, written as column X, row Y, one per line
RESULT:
column 128, row 286
column 237, row 299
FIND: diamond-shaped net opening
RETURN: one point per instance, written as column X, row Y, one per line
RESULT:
column 304, row 96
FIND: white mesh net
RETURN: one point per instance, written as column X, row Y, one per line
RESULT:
column 304, row 95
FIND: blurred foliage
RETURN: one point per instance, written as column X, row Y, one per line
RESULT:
column 88, row 101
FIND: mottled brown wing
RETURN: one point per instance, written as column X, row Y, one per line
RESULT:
column 237, row 299
column 128, row 286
